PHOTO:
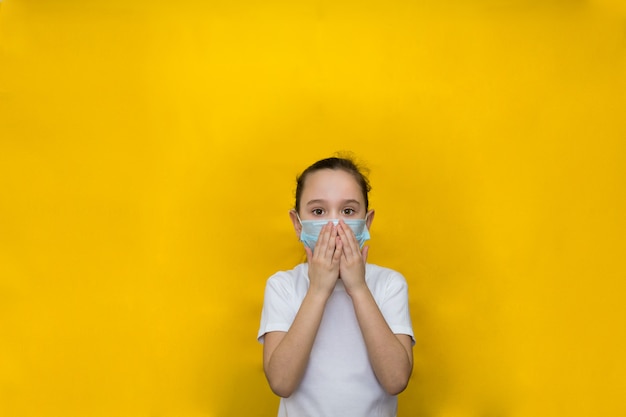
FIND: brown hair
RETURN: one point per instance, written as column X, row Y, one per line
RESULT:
column 343, row 163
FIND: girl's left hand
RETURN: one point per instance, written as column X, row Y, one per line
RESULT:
column 352, row 262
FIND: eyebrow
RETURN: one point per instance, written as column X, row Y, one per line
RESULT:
column 320, row 201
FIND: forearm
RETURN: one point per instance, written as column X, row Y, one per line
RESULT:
column 285, row 365
column 391, row 361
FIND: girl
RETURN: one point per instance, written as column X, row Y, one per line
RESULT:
column 336, row 331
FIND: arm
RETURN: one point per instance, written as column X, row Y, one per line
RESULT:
column 391, row 355
column 286, row 354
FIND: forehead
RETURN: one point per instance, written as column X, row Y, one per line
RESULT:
column 331, row 185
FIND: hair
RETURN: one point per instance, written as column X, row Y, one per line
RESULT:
column 344, row 163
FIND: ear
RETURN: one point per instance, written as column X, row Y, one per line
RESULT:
column 293, row 215
column 369, row 219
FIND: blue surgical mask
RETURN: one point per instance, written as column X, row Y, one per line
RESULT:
column 311, row 230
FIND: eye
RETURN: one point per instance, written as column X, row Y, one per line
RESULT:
column 348, row 211
column 317, row 212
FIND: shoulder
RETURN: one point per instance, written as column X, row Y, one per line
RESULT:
column 380, row 273
column 381, row 279
column 290, row 280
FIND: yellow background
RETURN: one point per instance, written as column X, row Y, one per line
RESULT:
column 148, row 152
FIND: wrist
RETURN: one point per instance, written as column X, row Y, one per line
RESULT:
column 359, row 290
column 319, row 294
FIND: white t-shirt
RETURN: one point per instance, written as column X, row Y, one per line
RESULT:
column 339, row 380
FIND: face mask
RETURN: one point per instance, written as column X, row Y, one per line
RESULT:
column 311, row 230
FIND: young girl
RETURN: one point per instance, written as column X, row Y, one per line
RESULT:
column 336, row 331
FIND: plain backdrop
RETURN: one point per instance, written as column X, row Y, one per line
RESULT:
column 148, row 155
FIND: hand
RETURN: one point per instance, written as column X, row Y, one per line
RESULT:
column 324, row 260
column 352, row 266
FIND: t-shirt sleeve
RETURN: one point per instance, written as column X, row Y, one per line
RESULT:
column 395, row 307
column 278, row 312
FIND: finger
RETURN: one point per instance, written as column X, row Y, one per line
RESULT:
column 365, row 252
column 322, row 242
column 338, row 251
column 330, row 242
column 332, row 239
column 347, row 250
column 309, row 252
column 327, row 232
column 350, row 243
column 350, row 234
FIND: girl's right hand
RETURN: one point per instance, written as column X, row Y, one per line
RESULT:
column 324, row 261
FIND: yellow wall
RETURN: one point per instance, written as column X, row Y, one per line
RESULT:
column 148, row 152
